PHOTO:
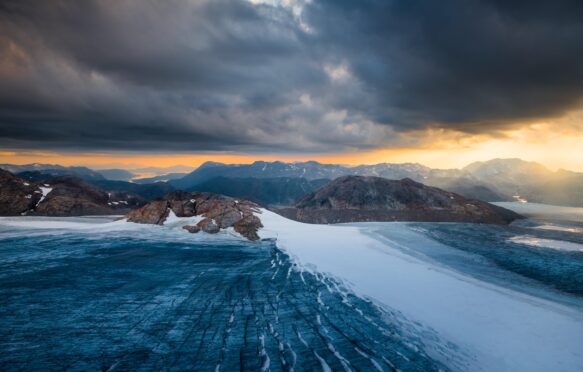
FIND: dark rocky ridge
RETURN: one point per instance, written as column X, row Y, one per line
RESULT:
column 17, row 196
column 217, row 212
column 358, row 198
column 71, row 196
column 67, row 196
column 55, row 170
column 148, row 192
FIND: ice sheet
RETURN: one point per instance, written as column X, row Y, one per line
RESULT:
column 504, row 330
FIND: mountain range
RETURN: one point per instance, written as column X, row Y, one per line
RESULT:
column 280, row 183
column 494, row 180
column 138, row 175
column 54, row 170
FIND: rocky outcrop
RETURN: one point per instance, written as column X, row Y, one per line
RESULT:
column 216, row 212
column 209, row 225
column 154, row 213
column 17, row 196
column 73, row 197
column 193, row 229
column 248, row 226
column 358, row 198
column 59, row 196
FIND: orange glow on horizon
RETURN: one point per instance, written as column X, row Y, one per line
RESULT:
column 541, row 142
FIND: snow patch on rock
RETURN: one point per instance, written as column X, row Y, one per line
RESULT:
column 174, row 221
column 45, row 190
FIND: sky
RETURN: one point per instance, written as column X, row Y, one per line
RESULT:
column 159, row 83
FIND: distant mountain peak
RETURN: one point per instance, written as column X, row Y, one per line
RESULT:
column 504, row 162
column 209, row 163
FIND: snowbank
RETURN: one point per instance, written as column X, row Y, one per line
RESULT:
column 174, row 221
column 70, row 223
column 172, row 227
column 502, row 329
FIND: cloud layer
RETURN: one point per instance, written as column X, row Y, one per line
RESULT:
column 320, row 75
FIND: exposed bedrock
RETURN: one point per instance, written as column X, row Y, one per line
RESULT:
column 358, row 199
column 216, row 211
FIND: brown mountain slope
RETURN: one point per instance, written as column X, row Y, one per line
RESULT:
column 59, row 196
column 358, row 198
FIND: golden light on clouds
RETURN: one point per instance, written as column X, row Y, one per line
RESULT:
column 556, row 144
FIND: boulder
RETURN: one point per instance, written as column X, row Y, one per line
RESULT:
column 193, row 229
column 208, row 225
column 154, row 213
column 225, row 215
column 248, row 227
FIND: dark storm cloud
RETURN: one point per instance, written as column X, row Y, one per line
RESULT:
column 170, row 74
column 232, row 75
column 466, row 64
